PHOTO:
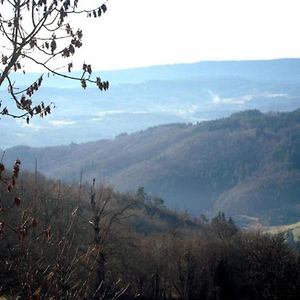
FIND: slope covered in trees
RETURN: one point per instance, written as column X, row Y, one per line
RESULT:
column 86, row 242
column 247, row 165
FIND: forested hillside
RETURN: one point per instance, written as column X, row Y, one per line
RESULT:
column 247, row 165
column 87, row 241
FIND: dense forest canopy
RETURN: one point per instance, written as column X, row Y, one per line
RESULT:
column 246, row 165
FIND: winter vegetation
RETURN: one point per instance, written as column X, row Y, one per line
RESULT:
column 63, row 241
column 169, row 212
column 246, row 165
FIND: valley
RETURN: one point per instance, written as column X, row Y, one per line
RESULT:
column 246, row 165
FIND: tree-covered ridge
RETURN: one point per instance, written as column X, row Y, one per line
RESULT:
column 247, row 164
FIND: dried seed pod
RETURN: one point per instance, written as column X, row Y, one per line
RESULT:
column 83, row 83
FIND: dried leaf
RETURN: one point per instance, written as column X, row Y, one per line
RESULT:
column 70, row 66
column 104, row 8
column 53, row 46
column 4, row 59
column 89, row 69
column 83, row 83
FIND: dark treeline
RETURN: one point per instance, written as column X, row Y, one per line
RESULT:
column 59, row 241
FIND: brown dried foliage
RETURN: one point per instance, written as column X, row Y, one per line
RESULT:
column 46, row 35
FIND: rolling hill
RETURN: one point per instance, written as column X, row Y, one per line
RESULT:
column 247, row 165
column 146, row 97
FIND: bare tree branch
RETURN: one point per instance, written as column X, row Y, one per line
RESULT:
column 39, row 31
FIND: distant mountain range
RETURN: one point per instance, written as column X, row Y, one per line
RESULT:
column 247, row 165
column 145, row 97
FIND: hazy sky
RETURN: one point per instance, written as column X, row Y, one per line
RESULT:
column 150, row 32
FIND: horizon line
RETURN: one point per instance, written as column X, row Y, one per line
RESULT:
column 169, row 64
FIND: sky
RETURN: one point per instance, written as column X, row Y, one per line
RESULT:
column 135, row 33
